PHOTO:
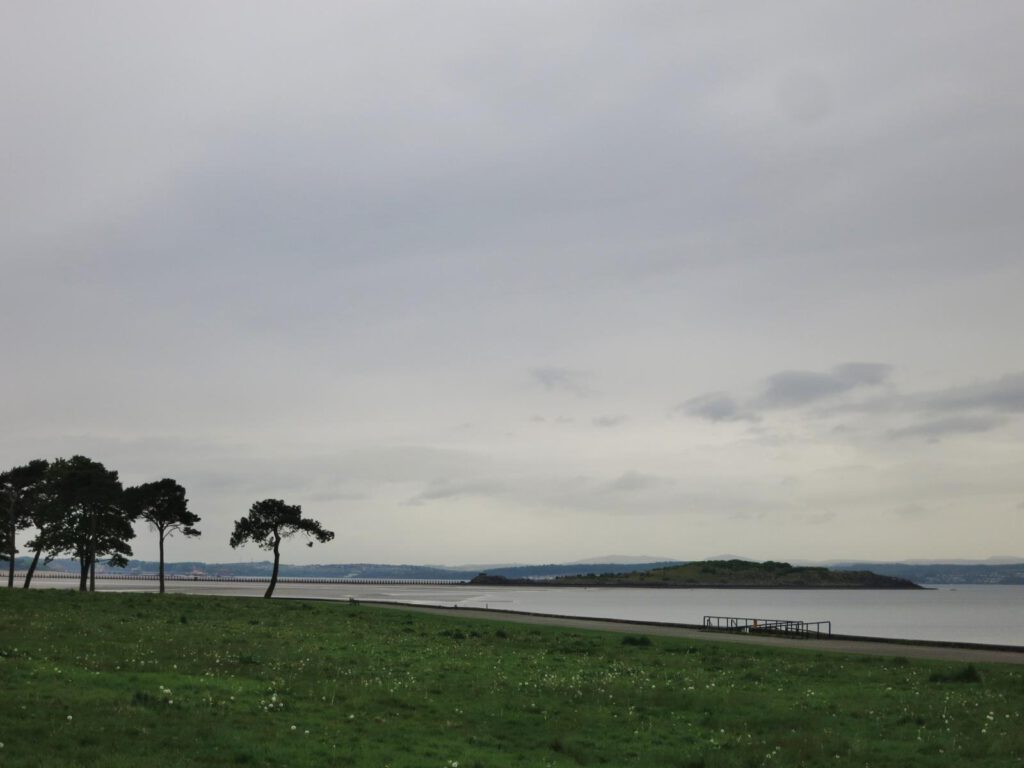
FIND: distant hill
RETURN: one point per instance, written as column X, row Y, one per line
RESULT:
column 730, row 573
column 343, row 570
column 554, row 571
column 263, row 568
column 948, row 573
column 928, row 574
column 741, row 557
column 625, row 559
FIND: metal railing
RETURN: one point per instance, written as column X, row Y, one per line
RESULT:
column 789, row 627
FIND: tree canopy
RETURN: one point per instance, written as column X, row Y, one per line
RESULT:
column 20, row 495
column 93, row 521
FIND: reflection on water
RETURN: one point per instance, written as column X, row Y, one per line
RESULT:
column 975, row 613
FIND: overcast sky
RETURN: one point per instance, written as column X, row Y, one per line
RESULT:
column 505, row 281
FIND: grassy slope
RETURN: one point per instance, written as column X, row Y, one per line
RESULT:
column 742, row 573
column 143, row 680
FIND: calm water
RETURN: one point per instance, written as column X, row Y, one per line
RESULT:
column 976, row 614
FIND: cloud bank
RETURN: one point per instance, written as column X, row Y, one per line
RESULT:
column 755, row 267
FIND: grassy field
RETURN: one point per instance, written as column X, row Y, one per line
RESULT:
column 147, row 680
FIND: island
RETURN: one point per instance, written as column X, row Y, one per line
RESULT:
column 717, row 574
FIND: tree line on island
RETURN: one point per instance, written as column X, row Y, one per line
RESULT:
column 79, row 507
column 718, row 574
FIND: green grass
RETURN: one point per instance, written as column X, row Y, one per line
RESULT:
column 143, row 680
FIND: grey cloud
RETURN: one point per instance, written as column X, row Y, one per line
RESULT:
column 814, row 518
column 631, row 482
column 1004, row 395
column 715, row 406
column 862, row 374
column 970, row 409
column 973, row 408
column 243, row 481
column 315, row 238
column 608, row 421
column 561, row 380
column 630, row 493
column 574, row 493
column 790, row 389
column 445, row 490
column 327, row 496
column 936, row 429
column 912, row 511
column 553, row 420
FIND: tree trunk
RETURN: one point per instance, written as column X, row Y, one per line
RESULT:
column 92, row 551
column 12, row 530
column 83, row 564
column 161, row 533
column 10, row 569
column 273, row 575
column 32, row 568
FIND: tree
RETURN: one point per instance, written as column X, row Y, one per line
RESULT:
column 88, row 515
column 163, row 505
column 38, row 545
column 271, row 520
column 20, row 489
column 45, row 516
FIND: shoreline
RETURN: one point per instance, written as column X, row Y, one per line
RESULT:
column 936, row 650
column 643, row 585
column 464, row 598
column 519, row 584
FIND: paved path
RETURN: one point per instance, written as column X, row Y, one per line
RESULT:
column 833, row 645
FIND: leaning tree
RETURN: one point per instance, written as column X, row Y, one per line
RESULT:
column 268, row 523
column 163, row 505
column 20, row 494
